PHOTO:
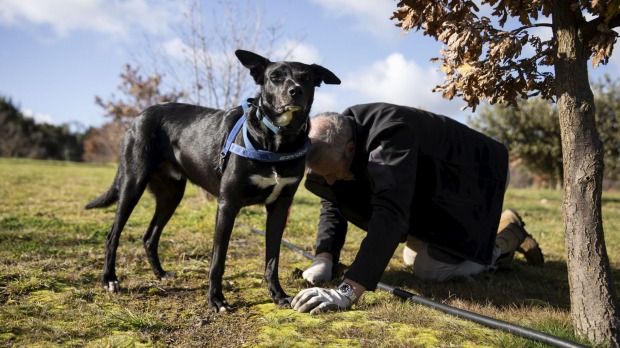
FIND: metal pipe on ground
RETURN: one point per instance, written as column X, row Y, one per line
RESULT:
column 460, row 313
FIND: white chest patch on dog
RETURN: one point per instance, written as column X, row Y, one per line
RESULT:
column 274, row 180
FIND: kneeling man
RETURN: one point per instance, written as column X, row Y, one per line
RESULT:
column 407, row 175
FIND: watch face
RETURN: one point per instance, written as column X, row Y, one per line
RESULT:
column 345, row 288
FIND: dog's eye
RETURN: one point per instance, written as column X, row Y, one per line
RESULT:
column 276, row 77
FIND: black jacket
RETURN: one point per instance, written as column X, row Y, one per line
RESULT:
column 415, row 173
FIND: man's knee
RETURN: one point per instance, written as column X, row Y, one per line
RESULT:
column 426, row 267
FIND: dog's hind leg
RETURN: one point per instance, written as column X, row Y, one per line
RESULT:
column 134, row 171
column 227, row 210
column 168, row 193
column 130, row 193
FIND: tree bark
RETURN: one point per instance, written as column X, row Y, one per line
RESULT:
column 594, row 303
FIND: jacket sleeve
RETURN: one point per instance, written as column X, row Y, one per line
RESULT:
column 391, row 171
column 332, row 230
column 332, row 227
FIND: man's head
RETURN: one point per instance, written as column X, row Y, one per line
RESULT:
column 333, row 147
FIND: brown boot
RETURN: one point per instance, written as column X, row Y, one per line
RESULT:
column 509, row 216
column 531, row 250
column 513, row 236
column 508, row 240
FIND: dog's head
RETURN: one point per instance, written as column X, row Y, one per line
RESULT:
column 287, row 88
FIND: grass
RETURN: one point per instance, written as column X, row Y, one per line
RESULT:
column 51, row 257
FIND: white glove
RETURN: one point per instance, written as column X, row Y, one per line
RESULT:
column 319, row 271
column 320, row 300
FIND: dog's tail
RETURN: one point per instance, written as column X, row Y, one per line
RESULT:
column 106, row 199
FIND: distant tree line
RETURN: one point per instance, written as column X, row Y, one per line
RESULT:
column 21, row 136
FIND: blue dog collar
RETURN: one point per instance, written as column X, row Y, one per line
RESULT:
column 265, row 120
column 249, row 151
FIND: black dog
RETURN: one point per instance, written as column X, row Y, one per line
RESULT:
column 171, row 143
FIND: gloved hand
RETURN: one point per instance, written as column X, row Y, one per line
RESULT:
column 320, row 300
column 319, row 271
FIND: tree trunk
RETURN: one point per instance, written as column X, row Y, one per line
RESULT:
column 594, row 303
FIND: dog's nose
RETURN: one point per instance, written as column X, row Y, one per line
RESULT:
column 295, row 90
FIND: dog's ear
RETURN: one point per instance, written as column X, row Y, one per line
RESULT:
column 255, row 63
column 323, row 75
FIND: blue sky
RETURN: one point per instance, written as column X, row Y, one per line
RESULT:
column 56, row 56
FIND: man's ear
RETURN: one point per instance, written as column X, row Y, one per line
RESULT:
column 350, row 148
column 323, row 75
column 255, row 63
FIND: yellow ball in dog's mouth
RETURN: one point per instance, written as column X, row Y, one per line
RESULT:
column 287, row 116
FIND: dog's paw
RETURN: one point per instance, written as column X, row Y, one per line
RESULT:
column 220, row 305
column 167, row 275
column 112, row 287
column 284, row 302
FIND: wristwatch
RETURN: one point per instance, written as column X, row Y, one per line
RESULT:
column 347, row 290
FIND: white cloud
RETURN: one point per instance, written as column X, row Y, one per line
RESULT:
column 108, row 17
column 369, row 15
column 324, row 102
column 38, row 117
column 298, row 52
column 400, row 81
column 181, row 52
column 176, row 49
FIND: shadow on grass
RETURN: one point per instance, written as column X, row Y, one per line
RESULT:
column 517, row 285
column 607, row 199
column 180, row 294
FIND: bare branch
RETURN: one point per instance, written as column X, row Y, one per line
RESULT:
column 526, row 27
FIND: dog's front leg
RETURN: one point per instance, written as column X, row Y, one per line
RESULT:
column 277, row 213
column 224, row 221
